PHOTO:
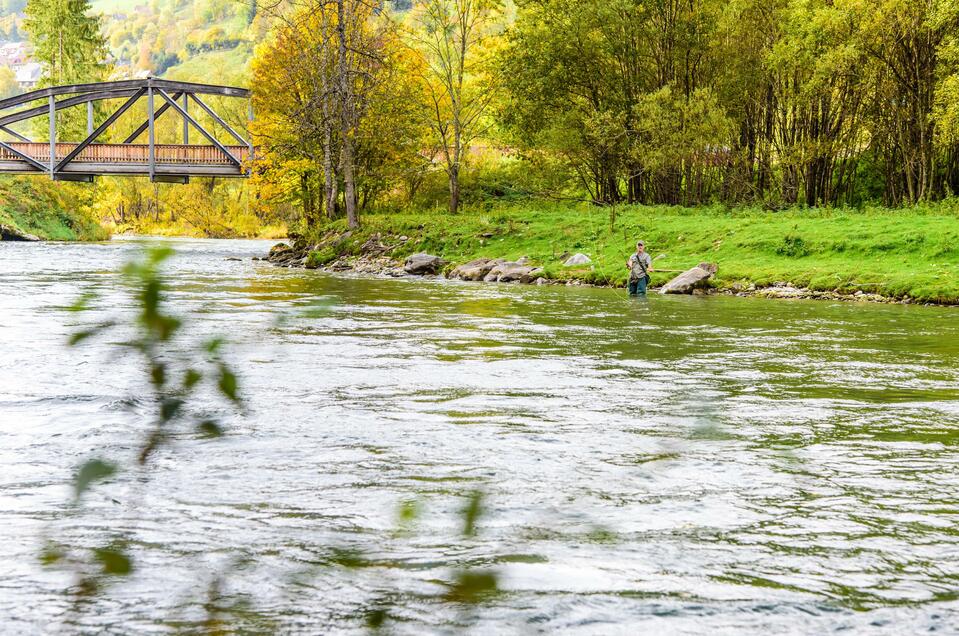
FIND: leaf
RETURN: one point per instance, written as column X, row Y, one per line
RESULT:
column 213, row 345
column 409, row 511
column 228, row 383
column 83, row 303
column 169, row 408
column 114, row 560
column 209, row 429
column 472, row 512
column 52, row 553
column 375, row 617
column 472, row 587
column 191, row 378
column 93, row 470
column 85, row 334
column 79, row 336
column 158, row 374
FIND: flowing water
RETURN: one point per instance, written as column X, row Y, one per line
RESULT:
column 674, row 465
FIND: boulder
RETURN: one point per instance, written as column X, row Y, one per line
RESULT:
column 10, row 233
column 422, row 263
column 512, row 272
column 577, row 259
column 476, row 269
column 695, row 278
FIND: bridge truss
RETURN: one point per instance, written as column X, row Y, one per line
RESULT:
column 83, row 160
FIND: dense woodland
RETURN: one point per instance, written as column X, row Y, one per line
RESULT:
column 369, row 105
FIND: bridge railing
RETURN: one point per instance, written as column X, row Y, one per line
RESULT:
column 167, row 154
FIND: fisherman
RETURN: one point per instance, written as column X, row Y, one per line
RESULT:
column 639, row 265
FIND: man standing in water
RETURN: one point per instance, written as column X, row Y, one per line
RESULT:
column 639, row 265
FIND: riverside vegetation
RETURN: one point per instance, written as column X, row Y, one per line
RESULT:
column 773, row 130
column 899, row 255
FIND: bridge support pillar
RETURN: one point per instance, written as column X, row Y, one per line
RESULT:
column 151, row 133
column 53, row 134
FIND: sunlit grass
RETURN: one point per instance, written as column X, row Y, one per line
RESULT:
column 912, row 252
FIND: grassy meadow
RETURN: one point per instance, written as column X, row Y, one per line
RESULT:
column 898, row 253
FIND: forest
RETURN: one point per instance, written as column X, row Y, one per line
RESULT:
column 382, row 107
column 780, row 104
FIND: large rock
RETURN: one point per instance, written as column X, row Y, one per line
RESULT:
column 422, row 263
column 476, row 269
column 512, row 272
column 10, row 233
column 577, row 259
column 695, row 278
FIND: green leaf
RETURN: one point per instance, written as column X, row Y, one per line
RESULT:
column 228, row 383
column 472, row 587
column 376, row 617
column 209, row 429
column 169, row 408
column 113, row 560
column 472, row 512
column 79, row 336
column 93, row 470
column 85, row 334
column 213, row 345
column 158, row 374
column 409, row 511
column 52, row 554
column 191, row 378
column 83, row 303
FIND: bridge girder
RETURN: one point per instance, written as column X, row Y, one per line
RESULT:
column 68, row 167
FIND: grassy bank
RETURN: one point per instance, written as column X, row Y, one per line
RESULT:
column 50, row 210
column 896, row 253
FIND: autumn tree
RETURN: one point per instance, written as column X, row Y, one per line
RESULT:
column 456, row 37
column 337, row 109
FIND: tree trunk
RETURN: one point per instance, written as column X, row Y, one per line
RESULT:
column 346, row 121
column 454, row 188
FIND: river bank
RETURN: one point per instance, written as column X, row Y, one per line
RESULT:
column 874, row 254
column 35, row 208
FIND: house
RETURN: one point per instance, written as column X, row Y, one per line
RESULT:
column 28, row 75
column 14, row 53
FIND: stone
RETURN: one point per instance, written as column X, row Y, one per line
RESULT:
column 476, row 269
column 373, row 245
column 577, row 259
column 422, row 263
column 695, row 278
column 511, row 272
column 10, row 233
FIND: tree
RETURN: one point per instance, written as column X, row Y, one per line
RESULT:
column 8, row 83
column 455, row 38
column 68, row 43
column 66, row 40
column 335, row 130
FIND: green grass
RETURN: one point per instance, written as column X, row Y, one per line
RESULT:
column 50, row 210
column 911, row 252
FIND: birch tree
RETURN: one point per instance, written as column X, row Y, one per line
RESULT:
column 455, row 38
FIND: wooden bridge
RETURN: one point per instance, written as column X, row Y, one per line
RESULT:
column 83, row 160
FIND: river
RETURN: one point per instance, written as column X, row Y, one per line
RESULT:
column 679, row 465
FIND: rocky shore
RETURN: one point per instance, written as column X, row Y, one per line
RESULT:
column 374, row 257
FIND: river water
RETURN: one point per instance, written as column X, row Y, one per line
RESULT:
column 673, row 466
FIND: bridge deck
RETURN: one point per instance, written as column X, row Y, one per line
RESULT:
column 129, row 159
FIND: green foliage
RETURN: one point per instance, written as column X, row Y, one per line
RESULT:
column 92, row 471
column 896, row 252
column 175, row 374
column 68, row 43
column 793, row 245
column 50, row 210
